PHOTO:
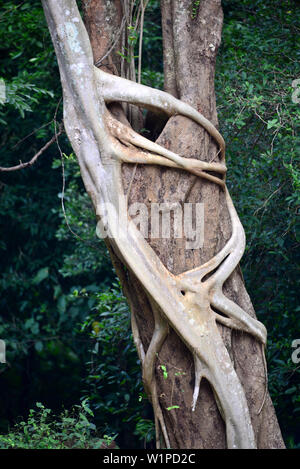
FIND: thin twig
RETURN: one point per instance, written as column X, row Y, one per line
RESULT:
column 36, row 156
column 143, row 8
column 266, row 380
column 31, row 133
column 267, row 200
column 64, row 186
column 64, row 189
column 11, row 9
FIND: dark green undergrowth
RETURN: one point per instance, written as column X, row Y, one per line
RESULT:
column 72, row 429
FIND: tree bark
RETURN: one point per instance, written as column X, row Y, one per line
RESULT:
column 191, row 43
column 190, row 49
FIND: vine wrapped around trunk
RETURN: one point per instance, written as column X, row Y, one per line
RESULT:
column 190, row 303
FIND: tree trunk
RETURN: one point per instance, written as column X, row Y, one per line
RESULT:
column 190, row 49
column 191, row 41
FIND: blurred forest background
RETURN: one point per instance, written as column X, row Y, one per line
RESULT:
column 62, row 314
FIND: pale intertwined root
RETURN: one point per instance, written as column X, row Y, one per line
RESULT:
column 102, row 144
column 199, row 294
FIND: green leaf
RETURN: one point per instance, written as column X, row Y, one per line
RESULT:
column 173, row 407
column 291, row 390
column 41, row 275
column 39, row 346
column 164, row 370
column 272, row 123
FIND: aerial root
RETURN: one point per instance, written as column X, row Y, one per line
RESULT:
column 136, row 338
column 147, row 360
column 198, row 377
column 130, row 147
column 156, row 154
column 235, row 312
column 113, row 88
column 97, row 140
column 266, row 379
column 161, row 330
column 159, row 419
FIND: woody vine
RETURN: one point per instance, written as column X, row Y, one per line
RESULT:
column 193, row 302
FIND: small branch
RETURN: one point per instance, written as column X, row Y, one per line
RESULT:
column 143, row 6
column 31, row 133
column 267, row 200
column 36, row 156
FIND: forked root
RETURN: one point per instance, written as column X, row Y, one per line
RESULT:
column 102, row 144
column 138, row 149
column 198, row 377
column 160, row 333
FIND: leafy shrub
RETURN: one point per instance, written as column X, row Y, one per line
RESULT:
column 113, row 384
column 145, row 430
column 255, row 70
column 72, row 429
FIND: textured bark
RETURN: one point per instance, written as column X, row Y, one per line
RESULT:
column 103, row 23
column 190, row 48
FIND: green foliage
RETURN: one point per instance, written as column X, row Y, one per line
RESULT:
column 27, row 62
column 70, row 430
column 145, row 431
column 21, row 95
column 113, row 384
column 194, row 8
column 164, row 370
column 38, row 253
column 84, row 256
column 256, row 66
column 153, row 78
column 152, row 72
